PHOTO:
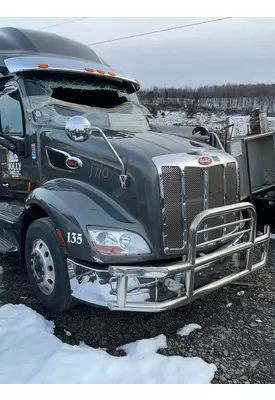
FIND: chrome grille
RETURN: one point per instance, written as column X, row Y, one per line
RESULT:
column 231, row 188
column 172, row 206
column 189, row 191
column 216, row 186
column 215, row 198
column 194, row 193
column 231, row 183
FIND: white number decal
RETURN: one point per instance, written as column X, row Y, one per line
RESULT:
column 74, row 238
column 79, row 238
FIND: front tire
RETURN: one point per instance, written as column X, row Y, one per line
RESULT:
column 47, row 267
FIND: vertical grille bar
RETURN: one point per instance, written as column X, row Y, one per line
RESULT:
column 173, row 216
column 215, row 197
column 231, row 183
column 216, row 186
column 194, row 193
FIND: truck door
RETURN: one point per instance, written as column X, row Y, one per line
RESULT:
column 16, row 172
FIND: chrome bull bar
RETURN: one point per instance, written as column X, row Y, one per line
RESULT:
column 247, row 235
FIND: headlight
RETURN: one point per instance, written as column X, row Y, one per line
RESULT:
column 116, row 242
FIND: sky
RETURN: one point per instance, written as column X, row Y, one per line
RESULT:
column 238, row 50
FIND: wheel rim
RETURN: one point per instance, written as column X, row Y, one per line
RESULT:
column 42, row 266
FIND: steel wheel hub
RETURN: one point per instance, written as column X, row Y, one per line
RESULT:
column 43, row 267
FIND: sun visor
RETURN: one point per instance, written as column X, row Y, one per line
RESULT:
column 32, row 63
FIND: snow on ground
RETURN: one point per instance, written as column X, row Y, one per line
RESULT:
column 187, row 329
column 213, row 121
column 30, row 353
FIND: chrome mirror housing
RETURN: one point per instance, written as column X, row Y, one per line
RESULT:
column 78, row 129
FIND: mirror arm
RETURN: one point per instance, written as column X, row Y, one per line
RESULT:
column 218, row 140
column 123, row 168
column 207, row 132
column 16, row 145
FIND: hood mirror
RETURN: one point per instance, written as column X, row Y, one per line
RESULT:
column 214, row 139
column 78, row 129
column 201, row 130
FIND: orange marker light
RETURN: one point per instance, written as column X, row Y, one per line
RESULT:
column 43, row 65
column 89, row 70
column 111, row 73
column 29, row 186
column 101, row 71
column 60, row 237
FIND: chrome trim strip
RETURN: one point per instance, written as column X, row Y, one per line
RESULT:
column 205, row 200
column 57, row 151
column 184, row 211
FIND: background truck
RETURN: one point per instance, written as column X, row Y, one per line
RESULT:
column 98, row 206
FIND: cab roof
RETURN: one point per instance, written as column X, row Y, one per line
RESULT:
column 25, row 49
column 17, row 41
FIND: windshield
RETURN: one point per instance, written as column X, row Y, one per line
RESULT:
column 54, row 98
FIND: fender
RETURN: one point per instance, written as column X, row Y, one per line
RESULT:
column 72, row 206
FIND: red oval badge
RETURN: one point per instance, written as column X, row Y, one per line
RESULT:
column 205, row 160
column 73, row 163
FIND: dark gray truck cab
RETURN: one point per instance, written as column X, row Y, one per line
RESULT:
column 97, row 204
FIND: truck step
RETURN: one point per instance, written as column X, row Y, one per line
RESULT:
column 6, row 246
column 8, row 216
column 10, row 211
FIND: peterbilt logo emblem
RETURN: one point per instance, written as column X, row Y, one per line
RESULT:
column 73, row 163
column 205, row 160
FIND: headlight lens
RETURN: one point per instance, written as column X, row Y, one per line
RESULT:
column 117, row 242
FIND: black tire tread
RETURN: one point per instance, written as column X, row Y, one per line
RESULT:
column 61, row 299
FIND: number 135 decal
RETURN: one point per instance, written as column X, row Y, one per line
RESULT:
column 74, row 238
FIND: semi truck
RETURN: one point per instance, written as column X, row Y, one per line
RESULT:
column 99, row 206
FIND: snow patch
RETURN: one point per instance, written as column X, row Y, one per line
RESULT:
column 30, row 353
column 187, row 329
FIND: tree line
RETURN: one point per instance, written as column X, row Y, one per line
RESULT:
column 228, row 98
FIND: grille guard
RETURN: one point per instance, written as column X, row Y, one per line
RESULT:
column 193, row 261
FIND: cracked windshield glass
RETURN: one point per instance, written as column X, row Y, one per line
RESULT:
column 53, row 99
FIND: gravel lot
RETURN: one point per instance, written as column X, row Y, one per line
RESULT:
column 237, row 325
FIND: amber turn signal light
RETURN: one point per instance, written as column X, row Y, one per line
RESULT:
column 89, row 70
column 43, row 65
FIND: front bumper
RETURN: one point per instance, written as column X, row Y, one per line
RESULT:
column 159, row 288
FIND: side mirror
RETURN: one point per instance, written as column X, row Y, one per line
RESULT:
column 201, row 130
column 7, row 90
column 78, row 129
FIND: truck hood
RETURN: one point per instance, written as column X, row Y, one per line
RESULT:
column 151, row 144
